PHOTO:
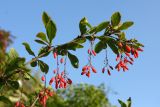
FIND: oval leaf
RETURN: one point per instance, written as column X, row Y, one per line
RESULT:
column 80, row 40
column 115, row 18
column 42, row 36
column 129, row 102
column 73, row 46
column 125, row 25
column 28, row 49
column 102, row 26
column 44, row 51
column 14, row 84
column 5, row 100
column 74, row 60
column 40, row 42
column 100, row 46
column 45, row 18
column 122, row 103
column 112, row 44
column 43, row 66
column 26, row 76
column 51, row 30
column 83, row 26
column 34, row 64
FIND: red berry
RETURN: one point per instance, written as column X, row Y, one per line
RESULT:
column 54, row 71
column 61, row 85
column 59, row 76
column 93, row 69
column 83, row 72
column 88, row 74
column 120, row 45
column 111, row 67
column 118, row 67
column 128, row 49
column 55, row 55
column 139, row 49
column 127, row 54
column 51, row 81
column 130, row 62
column 109, row 73
column 65, row 85
column 118, row 57
column 61, row 60
column 43, row 78
column 56, row 86
column 62, row 73
column 63, row 80
column 50, row 94
column 22, row 105
column 131, row 59
column 69, row 81
column 136, row 54
column 103, row 70
column 93, row 52
column 17, row 104
column 84, row 68
column 89, row 51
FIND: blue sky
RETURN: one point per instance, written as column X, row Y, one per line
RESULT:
column 23, row 19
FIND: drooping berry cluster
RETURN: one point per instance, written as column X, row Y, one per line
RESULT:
column 107, row 67
column 87, row 68
column 126, row 58
column 60, row 79
column 44, row 95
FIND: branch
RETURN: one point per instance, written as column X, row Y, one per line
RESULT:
column 35, row 101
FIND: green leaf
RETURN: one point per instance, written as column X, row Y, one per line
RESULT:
column 43, row 66
column 13, row 54
column 73, row 46
column 80, row 40
column 42, row 36
column 122, row 36
column 129, row 102
column 26, row 76
column 82, row 25
column 102, row 26
column 51, row 30
column 100, row 46
column 74, row 60
column 93, row 29
column 5, row 100
column 111, row 43
column 125, row 25
column 21, row 61
column 45, row 18
column 34, row 64
column 14, row 84
column 43, row 50
column 40, row 42
column 115, row 18
column 28, row 49
column 122, row 103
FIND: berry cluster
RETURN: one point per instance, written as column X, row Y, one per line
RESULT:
column 107, row 67
column 19, row 104
column 87, row 68
column 60, row 78
column 43, row 96
column 124, row 59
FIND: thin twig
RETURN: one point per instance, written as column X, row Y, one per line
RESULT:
column 35, row 101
